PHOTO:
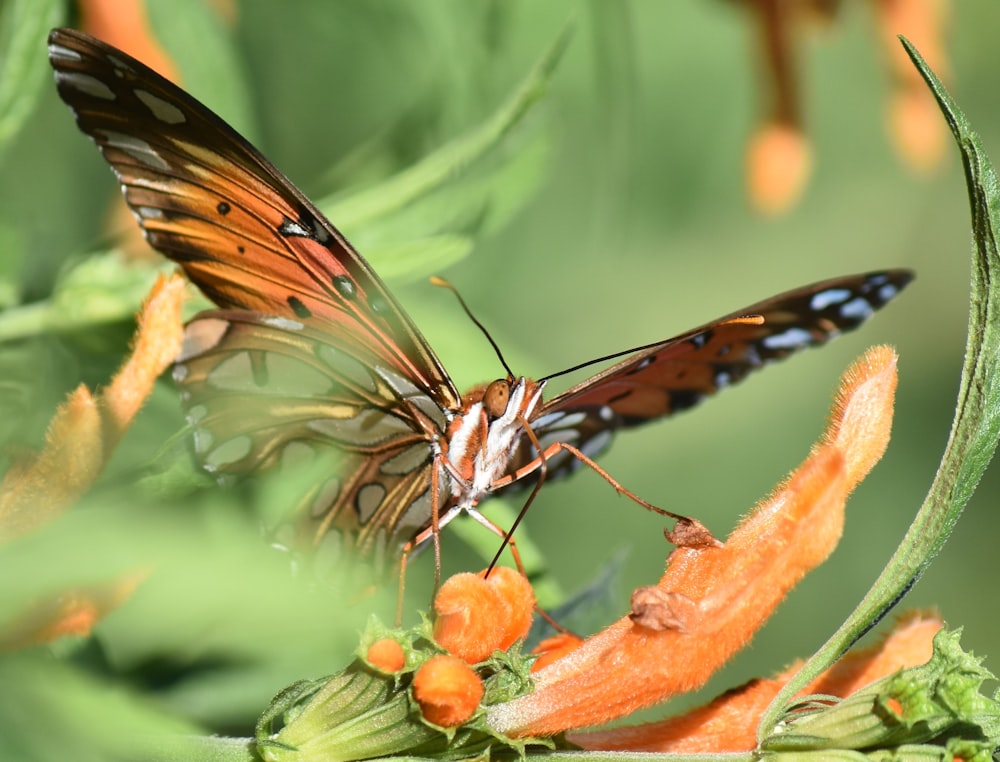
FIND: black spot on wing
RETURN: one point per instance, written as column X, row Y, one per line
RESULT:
column 298, row 307
column 223, row 208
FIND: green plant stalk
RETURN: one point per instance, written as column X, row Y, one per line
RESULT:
column 976, row 426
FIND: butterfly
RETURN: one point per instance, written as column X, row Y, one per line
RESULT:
column 309, row 353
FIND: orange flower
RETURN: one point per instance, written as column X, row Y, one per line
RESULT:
column 729, row 723
column 709, row 602
column 80, row 440
column 778, row 162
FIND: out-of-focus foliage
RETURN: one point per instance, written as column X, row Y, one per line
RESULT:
column 612, row 217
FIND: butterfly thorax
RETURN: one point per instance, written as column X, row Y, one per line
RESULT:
column 483, row 438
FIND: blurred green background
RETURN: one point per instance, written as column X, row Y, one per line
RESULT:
column 637, row 228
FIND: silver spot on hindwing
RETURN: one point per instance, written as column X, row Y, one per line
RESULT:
column 295, row 455
column 86, row 84
column 326, row 497
column 230, row 451
column 180, row 373
column 793, row 338
column 408, row 460
column 368, row 500
column 138, row 149
column 823, row 299
column 358, row 425
column 196, row 414
column 292, row 377
column 203, row 441
column 163, row 110
column 606, row 413
column 355, row 373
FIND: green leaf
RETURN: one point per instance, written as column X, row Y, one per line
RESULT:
column 24, row 25
column 976, row 426
column 360, row 209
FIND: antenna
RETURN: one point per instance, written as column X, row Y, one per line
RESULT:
column 441, row 282
column 748, row 319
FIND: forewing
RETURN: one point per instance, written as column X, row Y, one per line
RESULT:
column 208, row 200
column 684, row 370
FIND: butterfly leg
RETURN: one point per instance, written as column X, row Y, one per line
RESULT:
column 688, row 532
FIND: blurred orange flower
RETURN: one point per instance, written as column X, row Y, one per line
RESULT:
column 779, row 157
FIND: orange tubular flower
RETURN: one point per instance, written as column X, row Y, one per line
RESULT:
column 82, row 436
column 729, row 723
column 709, row 602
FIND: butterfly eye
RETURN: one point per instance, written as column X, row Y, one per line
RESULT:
column 495, row 398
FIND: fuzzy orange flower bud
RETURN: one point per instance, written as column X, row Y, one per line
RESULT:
column 447, row 690
column 387, row 655
column 477, row 616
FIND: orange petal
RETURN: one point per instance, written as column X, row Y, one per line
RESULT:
column 85, row 429
column 157, row 342
column 713, row 600
column 73, row 613
column 36, row 491
column 729, row 723
column 447, row 690
column 556, row 647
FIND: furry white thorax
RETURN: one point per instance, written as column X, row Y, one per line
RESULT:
column 501, row 439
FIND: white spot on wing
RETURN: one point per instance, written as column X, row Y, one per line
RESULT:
column 824, row 299
column 138, row 149
column 283, row 323
column 86, row 84
column 793, row 338
column 62, row 53
column 857, row 309
column 228, row 452
column 887, row 292
column 161, row 109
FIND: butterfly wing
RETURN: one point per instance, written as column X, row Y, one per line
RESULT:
column 310, row 352
column 264, row 391
column 682, row 371
column 207, row 199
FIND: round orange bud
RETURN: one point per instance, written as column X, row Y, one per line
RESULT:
column 387, row 655
column 477, row 616
column 515, row 591
column 469, row 617
column 447, row 690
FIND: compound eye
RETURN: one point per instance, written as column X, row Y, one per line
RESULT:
column 496, row 397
